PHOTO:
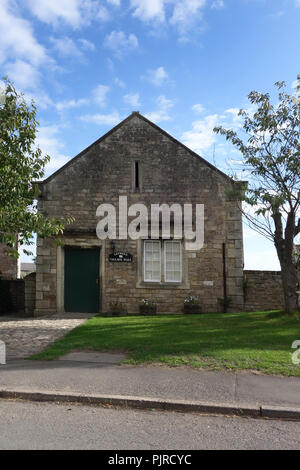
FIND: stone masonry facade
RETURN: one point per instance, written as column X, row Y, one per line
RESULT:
column 9, row 266
column 169, row 173
column 264, row 291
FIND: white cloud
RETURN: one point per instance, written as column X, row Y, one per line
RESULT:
column 164, row 105
column 66, row 47
column 236, row 119
column 185, row 11
column 51, row 12
column 198, row 108
column 297, row 3
column 110, row 64
column 202, row 136
column 217, row 4
column 133, row 99
column 179, row 13
column 115, row 3
column 102, row 119
column 99, row 97
column 17, row 40
column 149, row 9
column 50, row 143
column 75, row 13
column 63, row 105
column 87, row 45
column 41, row 99
column 120, row 43
column 157, row 76
column 119, row 83
column 103, row 13
column 100, row 94
column 186, row 14
column 23, row 74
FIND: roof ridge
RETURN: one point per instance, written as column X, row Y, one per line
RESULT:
column 115, row 128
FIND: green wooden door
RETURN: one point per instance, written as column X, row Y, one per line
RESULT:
column 82, row 280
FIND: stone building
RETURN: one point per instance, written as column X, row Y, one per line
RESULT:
column 139, row 160
column 9, row 266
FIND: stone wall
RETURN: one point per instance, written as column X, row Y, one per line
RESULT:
column 170, row 173
column 9, row 266
column 264, row 291
column 12, row 296
column 30, row 288
column 17, row 296
column 17, row 291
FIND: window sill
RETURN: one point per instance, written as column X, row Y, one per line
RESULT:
column 163, row 285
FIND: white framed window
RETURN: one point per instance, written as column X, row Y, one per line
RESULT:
column 162, row 257
column 152, row 261
column 173, row 261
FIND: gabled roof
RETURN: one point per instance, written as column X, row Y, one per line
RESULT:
column 114, row 129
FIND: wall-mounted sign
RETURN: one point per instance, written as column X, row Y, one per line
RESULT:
column 120, row 257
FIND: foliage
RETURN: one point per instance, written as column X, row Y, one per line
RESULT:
column 270, row 147
column 117, row 308
column 191, row 300
column 148, row 302
column 21, row 166
column 225, row 303
column 246, row 285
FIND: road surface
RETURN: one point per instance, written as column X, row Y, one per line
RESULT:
column 25, row 425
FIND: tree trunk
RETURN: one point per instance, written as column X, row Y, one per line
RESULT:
column 285, row 251
column 289, row 283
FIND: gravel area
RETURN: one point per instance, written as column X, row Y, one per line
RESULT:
column 26, row 336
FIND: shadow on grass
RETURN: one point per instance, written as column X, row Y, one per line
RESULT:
column 247, row 340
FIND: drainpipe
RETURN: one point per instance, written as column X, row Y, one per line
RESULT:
column 224, row 271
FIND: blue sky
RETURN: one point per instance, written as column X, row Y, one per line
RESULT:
column 187, row 65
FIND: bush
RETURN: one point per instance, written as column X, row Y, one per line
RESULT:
column 117, row 308
column 225, row 303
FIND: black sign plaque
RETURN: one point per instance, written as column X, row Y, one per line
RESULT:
column 120, row 257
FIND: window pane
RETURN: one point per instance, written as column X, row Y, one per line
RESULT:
column 168, row 247
column 152, row 262
column 176, row 248
column 173, row 261
column 155, row 245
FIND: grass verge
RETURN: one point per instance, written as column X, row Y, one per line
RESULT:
column 259, row 341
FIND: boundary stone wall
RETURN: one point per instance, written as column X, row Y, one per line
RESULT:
column 264, row 291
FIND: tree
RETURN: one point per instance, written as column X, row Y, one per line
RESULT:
column 21, row 166
column 269, row 142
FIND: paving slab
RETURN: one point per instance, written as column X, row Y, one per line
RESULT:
column 93, row 377
column 159, row 382
column 100, row 358
column 266, row 389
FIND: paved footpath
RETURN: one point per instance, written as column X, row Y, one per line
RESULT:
column 89, row 378
column 96, row 376
column 26, row 336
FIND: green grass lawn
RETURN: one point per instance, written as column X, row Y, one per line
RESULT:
column 259, row 341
